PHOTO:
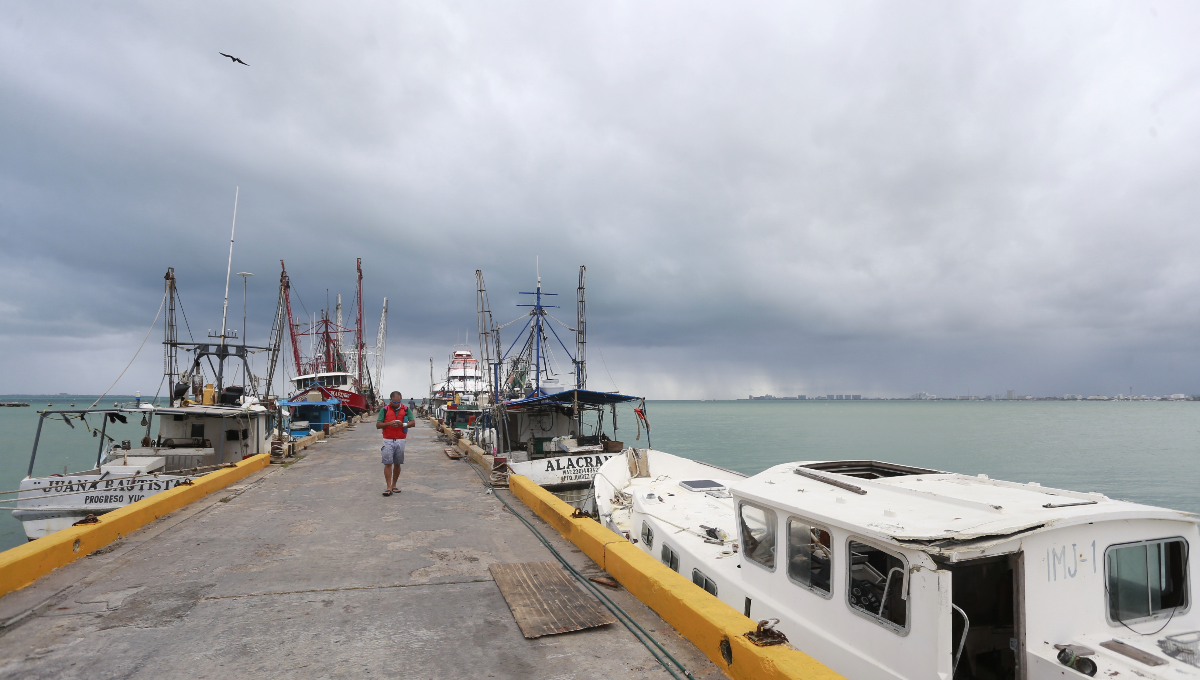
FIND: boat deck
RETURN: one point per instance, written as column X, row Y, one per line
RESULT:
column 306, row 571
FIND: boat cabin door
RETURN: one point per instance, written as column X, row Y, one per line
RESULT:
column 986, row 635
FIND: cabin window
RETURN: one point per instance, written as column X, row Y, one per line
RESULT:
column 810, row 556
column 877, row 585
column 647, row 535
column 1146, row 580
column 197, row 431
column 758, row 535
column 670, row 557
column 704, row 582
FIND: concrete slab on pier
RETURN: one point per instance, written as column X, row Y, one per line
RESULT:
column 306, row 571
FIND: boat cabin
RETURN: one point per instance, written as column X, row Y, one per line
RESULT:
column 888, row 571
column 336, row 379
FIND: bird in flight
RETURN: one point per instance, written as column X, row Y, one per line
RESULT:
column 233, row 58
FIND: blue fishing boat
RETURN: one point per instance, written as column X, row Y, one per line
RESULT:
column 315, row 410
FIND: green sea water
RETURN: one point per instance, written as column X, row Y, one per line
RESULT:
column 1138, row 451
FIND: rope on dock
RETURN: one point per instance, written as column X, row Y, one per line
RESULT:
column 639, row 633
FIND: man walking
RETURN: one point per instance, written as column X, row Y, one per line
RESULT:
column 394, row 419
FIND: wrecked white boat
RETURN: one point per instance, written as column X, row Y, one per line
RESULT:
column 888, row 571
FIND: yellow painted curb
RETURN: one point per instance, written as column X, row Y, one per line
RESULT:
column 25, row 564
column 703, row 619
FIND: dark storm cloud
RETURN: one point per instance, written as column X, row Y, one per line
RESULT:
column 873, row 198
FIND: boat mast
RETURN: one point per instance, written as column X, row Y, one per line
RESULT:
column 485, row 330
column 581, row 332
column 580, row 346
column 359, row 347
column 170, row 338
column 282, row 316
column 380, row 344
column 285, row 285
column 225, row 306
column 537, row 327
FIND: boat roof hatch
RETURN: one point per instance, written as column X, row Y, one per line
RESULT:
column 868, row 469
column 701, row 485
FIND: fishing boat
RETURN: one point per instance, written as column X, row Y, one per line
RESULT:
column 885, row 571
column 190, row 441
column 544, row 423
column 219, row 424
column 459, row 398
column 312, row 411
column 338, row 367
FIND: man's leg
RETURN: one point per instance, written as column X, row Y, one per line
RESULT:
column 397, row 459
column 388, row 478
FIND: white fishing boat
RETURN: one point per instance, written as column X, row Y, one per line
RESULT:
column 219, row 424
column 461, row 395
column 546, row 424
column 884, row 571
column 190, row 441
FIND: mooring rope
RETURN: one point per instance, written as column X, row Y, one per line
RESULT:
column 639, row 633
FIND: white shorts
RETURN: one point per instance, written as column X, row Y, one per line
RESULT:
column 393, row 451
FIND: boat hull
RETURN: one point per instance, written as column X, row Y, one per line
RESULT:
column 48, row 504
column 561, row 470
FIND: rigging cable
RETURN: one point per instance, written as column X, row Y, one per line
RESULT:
column 512, row 322
column 188, row 326
column 135, row 354
column 614, row 382
column 563, row 324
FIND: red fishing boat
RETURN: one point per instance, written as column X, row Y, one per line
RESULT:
column 338, row 366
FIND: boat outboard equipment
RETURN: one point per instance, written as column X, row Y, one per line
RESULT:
column 232, row 395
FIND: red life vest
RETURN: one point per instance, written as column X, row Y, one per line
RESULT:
column 394, row 431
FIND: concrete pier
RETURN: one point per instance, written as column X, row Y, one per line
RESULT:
column 306, row 571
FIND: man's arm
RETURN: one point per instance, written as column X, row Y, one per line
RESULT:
column 379, row 420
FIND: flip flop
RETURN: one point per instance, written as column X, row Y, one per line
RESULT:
column 387, row 493
column 394, row 490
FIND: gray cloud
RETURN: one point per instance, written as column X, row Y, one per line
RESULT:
column 792, row 197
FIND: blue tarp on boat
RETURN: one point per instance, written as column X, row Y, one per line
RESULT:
column 569, row 397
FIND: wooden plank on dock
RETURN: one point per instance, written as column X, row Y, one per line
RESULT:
column 544, row 602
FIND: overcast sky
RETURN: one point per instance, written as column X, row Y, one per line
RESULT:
column 795, row 198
